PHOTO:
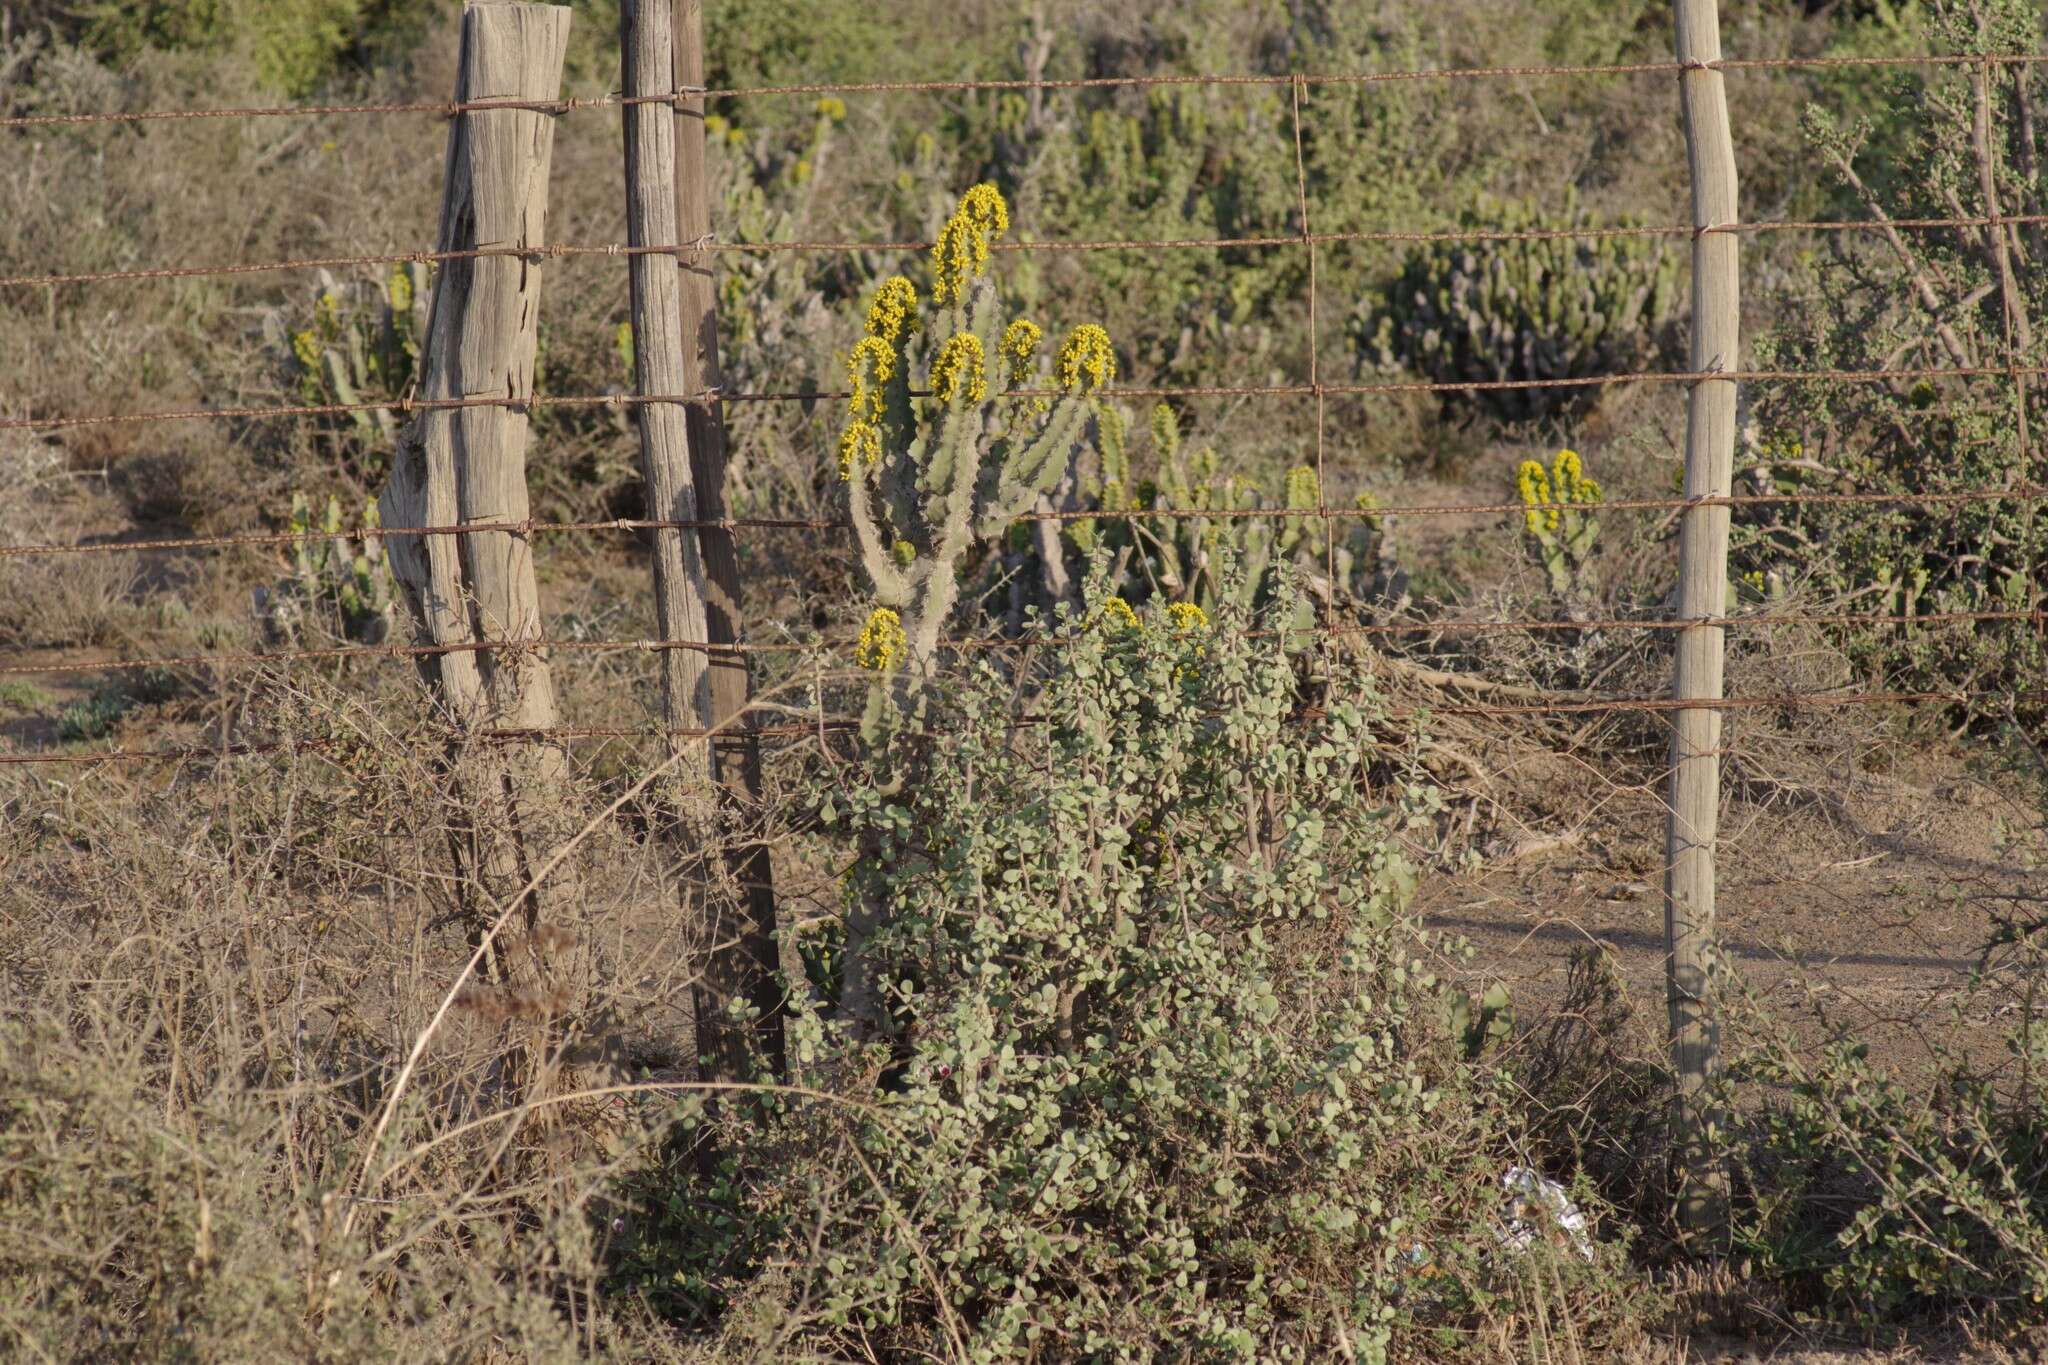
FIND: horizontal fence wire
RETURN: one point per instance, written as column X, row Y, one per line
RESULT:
column 688, row 99
column 2020, row 493
column 710, row 397
column 346, row 653
column 823, row 725
column 562, row 250
column 690, row 96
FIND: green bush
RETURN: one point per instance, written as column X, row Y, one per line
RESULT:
column 1862, row 307
column 294, row 46
column 1169, row 1073
column 111, row 702
column 1557, row 308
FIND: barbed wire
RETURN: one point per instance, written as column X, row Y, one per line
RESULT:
column 691, row 95
column 811, row 728
column 365, row 534
column 709, row 244
column 709, row 397
column 1532, row 625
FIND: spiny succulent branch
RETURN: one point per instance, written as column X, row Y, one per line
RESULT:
column 1553, row 308
column 1231, row 560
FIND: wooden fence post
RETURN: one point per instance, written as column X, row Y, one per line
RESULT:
column 745, row 957
column 1702, row 595
column 459, row 465
column 648, row 63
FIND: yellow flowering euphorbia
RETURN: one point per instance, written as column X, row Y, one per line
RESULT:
column 961, row 253
column 1557, row 508
column 936, row 467
column 1020, row 348
column 1087, row 361
column 961, row 368
column 893, row 311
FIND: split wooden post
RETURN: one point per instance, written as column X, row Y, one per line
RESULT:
column 680, row 589
column 468, row 464
column 743, row 965
column 1702, row 596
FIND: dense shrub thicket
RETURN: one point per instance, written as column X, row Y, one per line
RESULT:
column 1171, row 1070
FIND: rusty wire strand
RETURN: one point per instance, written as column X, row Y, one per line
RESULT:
column 345, row 653
column 533, row 528
column 811, row 728
column 406, row 406
column 690, row 96
column 564, row 250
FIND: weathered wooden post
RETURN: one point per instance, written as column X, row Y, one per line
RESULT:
column 697, row 585
column 680, row 586
column 1702, row 596
column 468, row 464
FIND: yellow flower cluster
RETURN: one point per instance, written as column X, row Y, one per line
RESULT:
column 859, row 445
column 1564, row 482
column 401, row 291
column 1117, row 615
column 831, row 108
column 894, row 310
column 883, row 645
column 1020, row 344
column 1534, row 485
column 961, row 368
column 1185, row 617
column 869, row 368
column 1086, row 355
column 961, row 253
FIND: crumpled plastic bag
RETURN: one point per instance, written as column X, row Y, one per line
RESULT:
column 1535, row 1202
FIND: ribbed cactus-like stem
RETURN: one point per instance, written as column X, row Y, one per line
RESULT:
column 1553, row 308
column 934, row 470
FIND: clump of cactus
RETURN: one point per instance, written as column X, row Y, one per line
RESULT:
column 335, row 576
column 933, row 473
column 1555, row 308
column 1228, row 560
column 1558, row 513
column 361, row 346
